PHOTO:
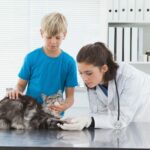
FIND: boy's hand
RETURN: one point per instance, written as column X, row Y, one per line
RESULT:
column 58, row 107
column 13, row 93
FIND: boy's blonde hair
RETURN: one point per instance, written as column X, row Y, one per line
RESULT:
column 54, row 23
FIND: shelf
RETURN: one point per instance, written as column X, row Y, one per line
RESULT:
column 142, row 63
column 143, row 66
column 129, row 24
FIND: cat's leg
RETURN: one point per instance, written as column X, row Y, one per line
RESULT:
column 4, row 124
column 27, row 124
column 52, row 123
column 18, row 123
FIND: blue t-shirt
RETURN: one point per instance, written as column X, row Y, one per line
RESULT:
column 47, row 74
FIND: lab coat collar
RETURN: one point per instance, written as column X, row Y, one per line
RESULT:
column 111, row 92
column 101, row 95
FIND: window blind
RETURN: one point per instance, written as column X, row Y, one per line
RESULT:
column 20, row 25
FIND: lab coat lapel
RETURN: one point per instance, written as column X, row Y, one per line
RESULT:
column 101, row 95
column 111, row 93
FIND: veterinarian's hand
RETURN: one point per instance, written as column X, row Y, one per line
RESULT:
column 76, row 123
column 13, row 93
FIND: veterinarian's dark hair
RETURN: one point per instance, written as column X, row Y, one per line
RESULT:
column 98, row 55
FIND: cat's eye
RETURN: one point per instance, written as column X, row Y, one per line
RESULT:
column 89, row 73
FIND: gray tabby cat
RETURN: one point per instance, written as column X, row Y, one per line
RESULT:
column 56, row 99
column 25, row 113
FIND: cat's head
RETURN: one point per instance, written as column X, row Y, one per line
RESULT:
column 51, row 99
column 48, row 101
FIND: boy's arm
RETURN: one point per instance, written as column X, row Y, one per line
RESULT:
column 69, row 97
column 19, row 88
column 21, row 85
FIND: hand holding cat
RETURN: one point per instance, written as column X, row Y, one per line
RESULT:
column 58, row 107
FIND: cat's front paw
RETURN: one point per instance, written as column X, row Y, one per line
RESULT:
column 4, row 124
column 52, row 123
column 18, row 126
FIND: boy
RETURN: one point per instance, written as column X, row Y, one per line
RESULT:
column 48, row 69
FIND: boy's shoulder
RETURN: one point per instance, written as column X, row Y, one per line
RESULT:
column 34, row 52
column 67, row 56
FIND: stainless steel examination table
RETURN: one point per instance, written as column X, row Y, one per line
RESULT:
column 135, row 136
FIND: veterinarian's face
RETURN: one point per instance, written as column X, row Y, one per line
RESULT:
column 52, row 43
column 91, row 75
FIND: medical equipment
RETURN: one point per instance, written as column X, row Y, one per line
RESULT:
column 118, row 100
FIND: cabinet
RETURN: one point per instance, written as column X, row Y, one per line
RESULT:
column 128, row 10
column 129, row 42
column 129, row 30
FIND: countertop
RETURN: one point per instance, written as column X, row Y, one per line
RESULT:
column 135, row 136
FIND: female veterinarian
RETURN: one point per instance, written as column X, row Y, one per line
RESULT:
column 118, row 93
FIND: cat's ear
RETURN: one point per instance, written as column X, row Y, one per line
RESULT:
column 43, row 96
column 31, row 103
column 59, row 93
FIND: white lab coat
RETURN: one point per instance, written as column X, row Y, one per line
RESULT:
column 134, row 92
